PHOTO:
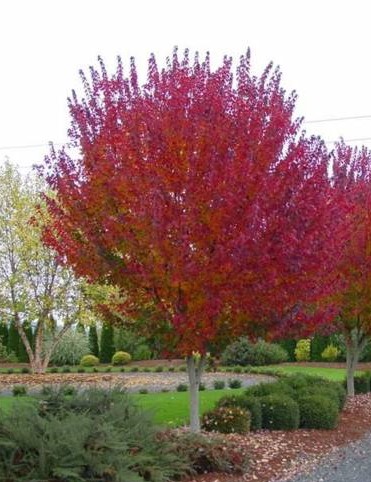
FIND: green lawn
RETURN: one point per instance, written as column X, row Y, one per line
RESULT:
column 171, row 408
column 334, row 374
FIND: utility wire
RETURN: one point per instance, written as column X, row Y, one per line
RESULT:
column 336, row 119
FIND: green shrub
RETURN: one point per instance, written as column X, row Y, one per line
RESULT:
column 143, row 391
column 289, row 346
column 66, row 370
column 25, row 370
column 252, row 404
column 19, row 390
column 121, row 358
column 279, row 412
column 81, row 370
column 182, row 368
column 159, row 369
column 235, row 383
column 182, row 387
column 94, row 435
column 142, row 352
column 10, row 371
column 69, row 390
column 89, row 361
column 201, row 387
column 330, row 353
column 205, row 454
column 237, row 369
column 146, row 370
column 54, row 370
column 263, row 389
column 107, row 345
column 134, row 369
column 317, row 411
column 95, row 370
column 226, row 420
column 324, row 391
column 122, row 370
column 302, row 350
column 108, row 369
column 362, row 383
column 219, row 384
column 242, row 352
column 299, row 381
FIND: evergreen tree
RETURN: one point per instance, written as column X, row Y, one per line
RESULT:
column 4, row 333
column 107, row 345
column 80, row 328
column 93, row 340
column 13, row 339
column 22, row 353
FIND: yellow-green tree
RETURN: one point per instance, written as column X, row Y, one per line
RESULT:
column 35, row 287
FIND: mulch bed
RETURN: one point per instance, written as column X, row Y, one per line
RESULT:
column 278, row 455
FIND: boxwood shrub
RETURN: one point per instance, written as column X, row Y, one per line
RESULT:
column 279, row 412
column 318, row 411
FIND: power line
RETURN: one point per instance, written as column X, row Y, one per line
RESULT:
column 28, row 146
column 336, row 119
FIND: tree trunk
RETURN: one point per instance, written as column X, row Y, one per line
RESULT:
column 355, row 342
column 195, row 369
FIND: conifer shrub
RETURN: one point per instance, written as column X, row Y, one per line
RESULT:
column 89, row 361
column 331, row 353
column 279, row 412
column 121, row 358
column 93, row 435
column 234, row 383
column 219, row 384
column 182, row 387
column 302, row 350
column 318, row 412
column 19, row 390
column 226, row 420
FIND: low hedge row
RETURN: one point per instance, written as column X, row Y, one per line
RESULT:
column 298, row 401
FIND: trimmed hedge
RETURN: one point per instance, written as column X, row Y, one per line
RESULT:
column 318, row 411
column 121, row 358
column 242, row 352
column 89, row 361
column 279, row 412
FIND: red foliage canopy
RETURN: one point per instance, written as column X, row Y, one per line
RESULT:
column 196, row 194
column 352, row 179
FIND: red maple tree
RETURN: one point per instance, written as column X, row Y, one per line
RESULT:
column 352, row 180
column 197, row 195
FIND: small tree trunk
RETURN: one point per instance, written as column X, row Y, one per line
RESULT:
column 195, row 369
column 355, row 343
column 352, row 360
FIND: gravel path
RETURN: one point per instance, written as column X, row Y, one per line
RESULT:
column 132, row 382
column 351, row 463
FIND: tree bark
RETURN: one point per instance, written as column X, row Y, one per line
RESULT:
column 355, row 342
column 195, row 369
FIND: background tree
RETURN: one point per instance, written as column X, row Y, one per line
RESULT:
column 4, row 330
column 107, row 345
column 13, row 339
column 197, row 196
column 35, row 286
column 93, row 340
column 352, row 178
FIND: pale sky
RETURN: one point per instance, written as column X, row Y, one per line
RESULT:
column 323, row 49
